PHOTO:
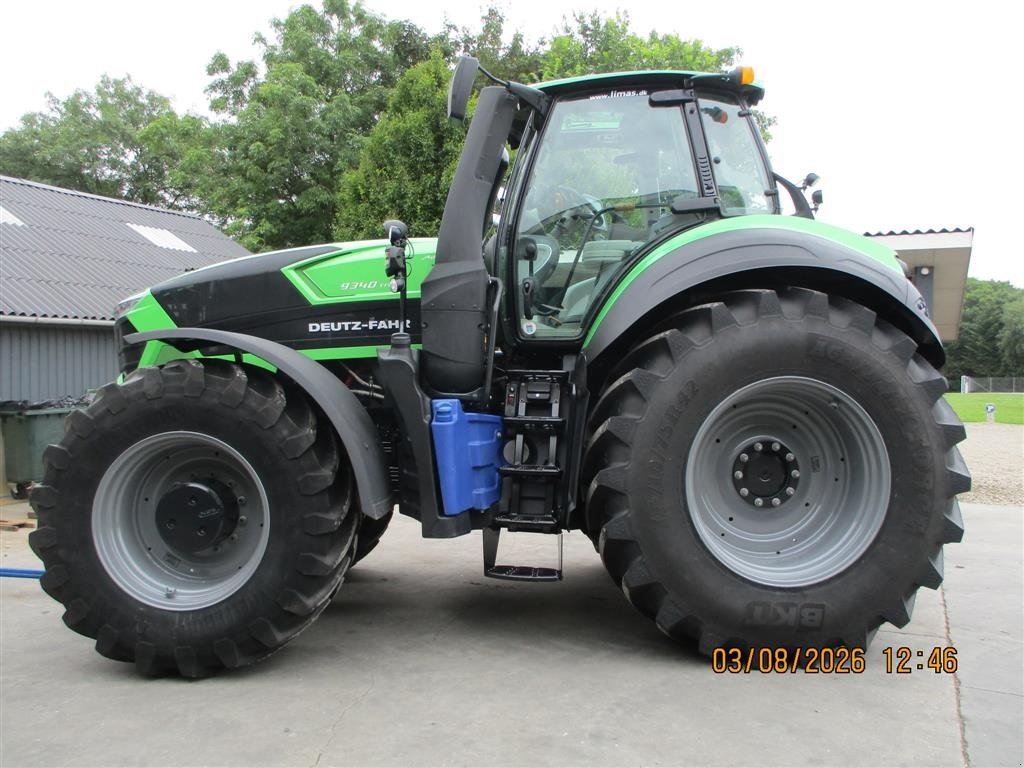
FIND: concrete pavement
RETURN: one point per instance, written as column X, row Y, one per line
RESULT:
column 421, row 661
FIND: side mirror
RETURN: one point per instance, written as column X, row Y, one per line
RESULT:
column 817, row 198
column 810, row 180
column 461, row 87
column 397, row 232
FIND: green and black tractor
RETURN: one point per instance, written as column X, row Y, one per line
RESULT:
column 619, row 333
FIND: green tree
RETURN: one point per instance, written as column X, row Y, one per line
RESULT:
column 592, row 43
column 1011, row 337
column 516, row 59
column 333, row 112
column 94, row 142
column 991, row 331
column 295, row 125
column 408, row 160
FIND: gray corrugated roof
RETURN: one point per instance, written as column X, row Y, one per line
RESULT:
column 77, row 257
column 943, row 231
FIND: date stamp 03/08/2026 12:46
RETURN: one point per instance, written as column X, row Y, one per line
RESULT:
column 898, row 660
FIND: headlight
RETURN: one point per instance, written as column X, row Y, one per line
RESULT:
column 125, row 305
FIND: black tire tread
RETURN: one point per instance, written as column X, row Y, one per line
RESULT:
column 624, row 400
column 309, row 453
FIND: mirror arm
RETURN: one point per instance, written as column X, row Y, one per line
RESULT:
column 799, row 201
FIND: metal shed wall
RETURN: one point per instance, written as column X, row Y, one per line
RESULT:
column 39, row 363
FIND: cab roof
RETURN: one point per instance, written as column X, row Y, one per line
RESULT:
column 719, row 81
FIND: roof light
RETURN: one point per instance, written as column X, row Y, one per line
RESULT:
column 743, row 75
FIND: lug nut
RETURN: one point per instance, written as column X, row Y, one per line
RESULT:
column 776, row 502
column 790, row 457
column 192, row 501
column 776, row 446
column 738, row 475
column 758, row 502
column 242, row 501
column 790, row 491
column 795, row 473
column 169, row 591
column 744, row 492
column 201, row 531
column 758, row 447
column 744, row 458
column 242, row 519
column 170, row 524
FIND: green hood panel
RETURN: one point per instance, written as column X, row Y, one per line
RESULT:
column 356, row 272
column 148, row 315
column 329, row 302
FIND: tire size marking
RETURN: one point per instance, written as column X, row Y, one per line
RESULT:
column 832, row 661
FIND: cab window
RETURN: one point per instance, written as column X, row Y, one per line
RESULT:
column 607, row 168
column 736, row 158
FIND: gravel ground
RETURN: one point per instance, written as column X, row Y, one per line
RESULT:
column 995, row 455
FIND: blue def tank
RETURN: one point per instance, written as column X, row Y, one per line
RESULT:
column 468, row 451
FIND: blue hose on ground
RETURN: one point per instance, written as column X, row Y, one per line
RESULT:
column 20, row 573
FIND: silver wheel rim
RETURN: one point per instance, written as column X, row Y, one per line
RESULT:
column 127, row 535
column 823, row 507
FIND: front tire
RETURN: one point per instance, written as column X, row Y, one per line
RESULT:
column 853, row 494
column 194, row 518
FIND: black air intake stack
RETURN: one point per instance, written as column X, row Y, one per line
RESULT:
column 453, row 306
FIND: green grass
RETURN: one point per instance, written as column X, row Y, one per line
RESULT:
column 1009, row 408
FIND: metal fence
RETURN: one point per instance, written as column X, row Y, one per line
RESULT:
column 970, row 384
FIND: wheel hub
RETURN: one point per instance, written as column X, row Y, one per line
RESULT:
column 829, row 519
column 765, row 473
column 196, row 516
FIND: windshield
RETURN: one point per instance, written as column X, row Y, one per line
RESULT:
column 736, row 158
column 608, row 168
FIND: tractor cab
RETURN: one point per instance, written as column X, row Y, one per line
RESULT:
column 608, row 168
column 618, row 164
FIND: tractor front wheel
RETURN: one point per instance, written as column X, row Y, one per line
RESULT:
column 195, row 517
column 776, row 469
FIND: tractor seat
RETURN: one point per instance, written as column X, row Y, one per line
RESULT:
column 605, row 255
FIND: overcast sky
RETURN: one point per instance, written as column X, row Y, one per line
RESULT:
column 907, row 110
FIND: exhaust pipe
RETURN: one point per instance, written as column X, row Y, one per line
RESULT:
column 453, row 304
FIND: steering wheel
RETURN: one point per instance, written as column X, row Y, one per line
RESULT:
column 572, row 207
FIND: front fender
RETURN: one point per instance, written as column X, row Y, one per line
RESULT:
column 350, row 420
column 749, row 249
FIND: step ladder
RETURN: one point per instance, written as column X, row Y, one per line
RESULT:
column 535, row 419
column 494, row 570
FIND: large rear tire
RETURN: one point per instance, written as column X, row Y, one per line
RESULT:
column 194, row 518
column 777, row 469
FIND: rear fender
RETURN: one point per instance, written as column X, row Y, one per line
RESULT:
column 350, row 420
column 771, row 252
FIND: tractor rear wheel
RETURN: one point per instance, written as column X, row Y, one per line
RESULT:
column 777, row 469
column 194, row 518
